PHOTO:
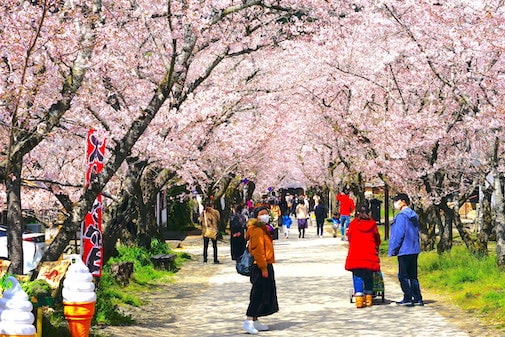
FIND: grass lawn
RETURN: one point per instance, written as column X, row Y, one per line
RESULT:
column 475, row 285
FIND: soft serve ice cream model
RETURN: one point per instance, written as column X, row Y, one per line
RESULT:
column 78, row 298
column 16, row 317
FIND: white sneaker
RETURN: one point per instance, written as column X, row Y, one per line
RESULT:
column 249, row 327
column 259, row 326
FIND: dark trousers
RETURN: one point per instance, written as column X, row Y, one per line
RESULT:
column 407, row 275
column 320, row 227
column 206, row 246
column 301, row 232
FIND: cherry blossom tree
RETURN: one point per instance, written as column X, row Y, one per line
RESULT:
column 118, row 64
column 414, row 99
column 415, row 88
column 208, row 93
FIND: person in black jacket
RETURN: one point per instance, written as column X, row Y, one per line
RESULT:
column 238, row 226
column 320, row 212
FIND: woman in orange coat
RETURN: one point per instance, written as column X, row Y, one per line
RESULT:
column 263, row 297
column 363, row 255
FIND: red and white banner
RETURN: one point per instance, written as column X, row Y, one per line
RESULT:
column 91, row 231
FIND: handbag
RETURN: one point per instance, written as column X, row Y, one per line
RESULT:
column 209, row 232
column 244, row 263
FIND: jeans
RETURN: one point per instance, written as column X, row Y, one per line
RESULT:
column 344, row 222
column 206, row 246
column 363, row 281
column 407, row 275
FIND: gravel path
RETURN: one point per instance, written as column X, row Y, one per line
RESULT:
column 313, row 290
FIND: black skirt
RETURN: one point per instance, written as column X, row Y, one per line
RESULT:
column 263, row 298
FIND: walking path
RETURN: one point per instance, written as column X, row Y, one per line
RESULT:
column 313, row 291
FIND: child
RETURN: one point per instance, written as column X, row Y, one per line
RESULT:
column 335, row 220
column 286, row 224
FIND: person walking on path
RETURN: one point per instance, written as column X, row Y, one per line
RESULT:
column 302, row 214
column 209, row 220
column 347, row 206
column 363, row 254
column 335, row 223
column 286, row 224
column 404, row 243
column 294, row 203
column 238, row 225
column 320, row 212
column 275, row 212
column 263, row 297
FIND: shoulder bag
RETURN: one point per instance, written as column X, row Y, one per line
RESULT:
column 244, row 263
column 209, row 232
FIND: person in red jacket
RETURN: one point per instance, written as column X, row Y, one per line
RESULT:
column 363, row 254
column 347, row 206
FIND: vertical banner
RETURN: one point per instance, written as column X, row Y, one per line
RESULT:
column 91, row 231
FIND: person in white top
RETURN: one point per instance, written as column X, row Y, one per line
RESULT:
column 302, row 214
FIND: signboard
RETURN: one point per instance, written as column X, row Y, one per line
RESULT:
column 4, row 267
column 91, row 231
column 52, row 272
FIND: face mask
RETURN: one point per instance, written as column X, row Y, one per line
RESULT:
column 264, row 218
column 397, row 205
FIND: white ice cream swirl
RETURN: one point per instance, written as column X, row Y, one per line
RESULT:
column 78, row 285
column 16, row 316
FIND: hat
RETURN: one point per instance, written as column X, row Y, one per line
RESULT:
column 258, row 209
column 402, row 196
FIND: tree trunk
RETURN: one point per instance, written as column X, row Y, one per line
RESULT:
column 150, row 185
column 486, row 222
column 14, row 216
column 445, row 228
column 119, row 221
column 500, row 221
column 358, row 189
column 232, row 198
column 467, row 239
column 225, row 213
column 429, row 219
column 131, row 218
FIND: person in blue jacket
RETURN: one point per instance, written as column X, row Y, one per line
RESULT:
column 405, row 244
column 286, row 223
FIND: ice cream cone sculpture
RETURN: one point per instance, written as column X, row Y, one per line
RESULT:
column 78, row 298
column 79, row 316
column 16, row 317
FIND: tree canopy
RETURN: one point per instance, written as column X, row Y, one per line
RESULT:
column 321, row 92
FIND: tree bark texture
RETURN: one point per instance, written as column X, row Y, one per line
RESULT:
column 500, row 221
column 14, row 216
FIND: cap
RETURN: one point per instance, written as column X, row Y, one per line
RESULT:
column 402, row 196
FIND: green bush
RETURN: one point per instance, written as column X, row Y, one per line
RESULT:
column 179, row 215
column 108, row 299
column 37, row 289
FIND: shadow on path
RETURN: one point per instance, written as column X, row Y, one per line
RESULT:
column 313, row 290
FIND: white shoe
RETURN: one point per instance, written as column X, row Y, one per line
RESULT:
column 249, row 327
column 259, row 326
